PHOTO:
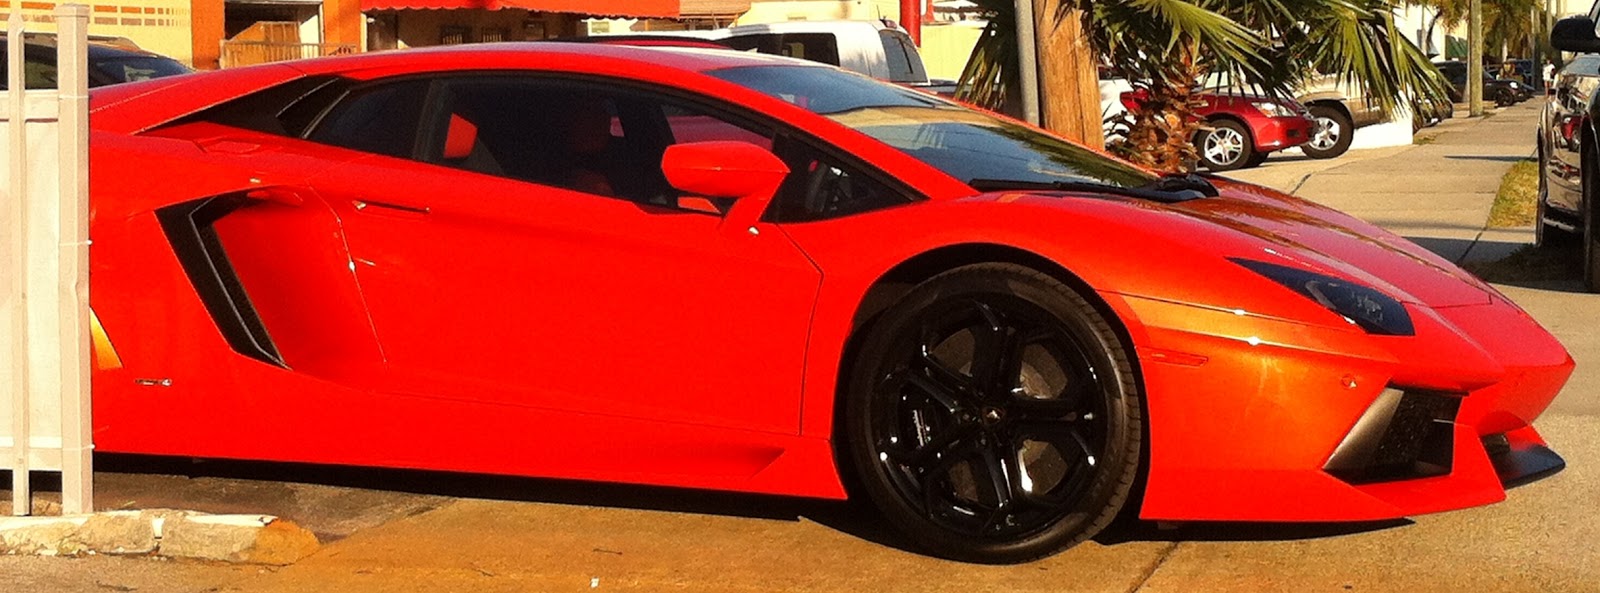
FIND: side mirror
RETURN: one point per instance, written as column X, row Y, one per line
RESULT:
column 742, row 171
column 1575, row 34
column 722, row 169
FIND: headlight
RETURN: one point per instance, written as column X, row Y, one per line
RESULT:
column 1272, row 109
column 1516, row 85
column 1374, row 311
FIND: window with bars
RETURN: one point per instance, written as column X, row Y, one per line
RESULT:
column 454, row 35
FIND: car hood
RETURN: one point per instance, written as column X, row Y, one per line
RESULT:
column 1332, row 242
column 1250, row 222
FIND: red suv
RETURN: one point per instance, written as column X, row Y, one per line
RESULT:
column 1242, row 129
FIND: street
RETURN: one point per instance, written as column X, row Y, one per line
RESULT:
column 421, row 531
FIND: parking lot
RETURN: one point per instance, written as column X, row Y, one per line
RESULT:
column 402, row 531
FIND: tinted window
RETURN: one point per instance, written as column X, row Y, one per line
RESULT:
column 580, row 136
column 380, row 120
column 817, row 47
column 38, row 75
column 965, row 144
column 136, row 68
column 819, row 187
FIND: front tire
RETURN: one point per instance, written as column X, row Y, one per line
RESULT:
column 1591, row 235
column 993, row 416
column 1332, row 135
column 1546, row 235
column 1226, row 147
column 1505, row 98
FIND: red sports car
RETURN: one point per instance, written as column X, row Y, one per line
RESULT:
column 711, row 269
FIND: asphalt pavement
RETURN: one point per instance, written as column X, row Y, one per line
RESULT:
column 411, row 531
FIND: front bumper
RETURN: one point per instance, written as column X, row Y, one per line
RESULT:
column 1247, row 413
column 1278, row 133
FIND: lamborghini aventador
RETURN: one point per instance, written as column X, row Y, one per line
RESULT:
column 710, row 269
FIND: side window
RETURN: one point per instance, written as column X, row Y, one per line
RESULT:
column 820, row 187
column 381, row 120
column 817, row 47
column 582, row 136
column 38, row 74
column 691, row 126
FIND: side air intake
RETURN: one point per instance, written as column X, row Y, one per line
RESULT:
column 189, row 228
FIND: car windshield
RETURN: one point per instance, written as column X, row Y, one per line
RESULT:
column 966, row 144
column 136, row 68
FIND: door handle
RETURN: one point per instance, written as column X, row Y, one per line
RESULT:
column 364, row 205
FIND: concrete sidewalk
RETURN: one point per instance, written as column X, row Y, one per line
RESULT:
column 493, row 534
column 1437, row 193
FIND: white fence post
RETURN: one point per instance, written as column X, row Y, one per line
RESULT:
column 44, row 269
column 72, row 290
column 14, row 303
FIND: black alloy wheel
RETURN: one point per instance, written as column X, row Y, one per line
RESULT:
column 993, row 416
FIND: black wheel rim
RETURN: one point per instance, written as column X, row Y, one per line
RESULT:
column 991, row 418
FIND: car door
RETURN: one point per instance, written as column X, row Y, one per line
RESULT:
column 1569, row 111
column 507, row 260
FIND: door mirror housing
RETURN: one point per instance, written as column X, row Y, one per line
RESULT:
column 723, row 169
column 1575, row 34
column 741, row 171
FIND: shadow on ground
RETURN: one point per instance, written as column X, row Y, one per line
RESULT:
column 261, row 487
column 1558, row 269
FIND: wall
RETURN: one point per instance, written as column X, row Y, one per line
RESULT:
column 947, row 46
column 421, row 28
column 772, row 11
column 161, row 26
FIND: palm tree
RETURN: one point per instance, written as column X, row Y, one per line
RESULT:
column 1505, row 22
column 1166, row 47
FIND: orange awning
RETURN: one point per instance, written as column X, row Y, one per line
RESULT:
column 611, row 8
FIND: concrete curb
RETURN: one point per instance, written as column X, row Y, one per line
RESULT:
column 251, row 539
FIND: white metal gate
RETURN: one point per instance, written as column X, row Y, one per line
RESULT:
column 44, row 267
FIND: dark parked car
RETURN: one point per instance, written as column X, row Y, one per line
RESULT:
column 108, row 64
column 1503, row 92
column 1568, row 179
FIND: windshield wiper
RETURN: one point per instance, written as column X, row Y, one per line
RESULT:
column 1192, row 182
column 1169, row 190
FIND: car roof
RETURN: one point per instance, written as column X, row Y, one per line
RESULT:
column 693, row 59
column 97, row 50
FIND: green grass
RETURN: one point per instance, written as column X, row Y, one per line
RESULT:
column 1515, row 205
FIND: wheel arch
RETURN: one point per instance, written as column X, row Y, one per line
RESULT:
column 900, row 279
column 1333, row 103
column 1249, row 131
column 903, row 277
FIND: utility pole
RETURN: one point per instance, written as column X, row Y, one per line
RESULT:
column 1028, row 62
column 1475, row 59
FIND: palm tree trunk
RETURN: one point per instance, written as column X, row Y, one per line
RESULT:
column 1069, row 79
column 1161, row 133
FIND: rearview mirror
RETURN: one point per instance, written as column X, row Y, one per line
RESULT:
column 1575, row 34
column 723, row 169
